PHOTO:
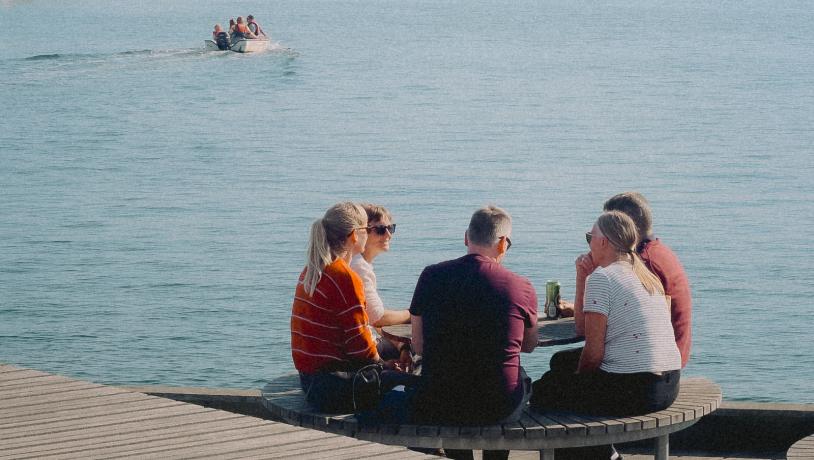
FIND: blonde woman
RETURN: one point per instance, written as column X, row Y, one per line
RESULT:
column 330, row 337
column 630, row 363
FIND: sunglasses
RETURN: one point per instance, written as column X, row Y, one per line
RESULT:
column 382, row 229
column 508, row 242
column 588, row 237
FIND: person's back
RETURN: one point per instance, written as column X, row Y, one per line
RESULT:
column 474, row 312
column 335, row 308
column 664, row 263
column 222, row 40
column 639, row 334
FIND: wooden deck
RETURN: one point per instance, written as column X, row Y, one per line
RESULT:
column 49, row 416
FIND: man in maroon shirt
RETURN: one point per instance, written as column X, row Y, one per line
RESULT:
column 471, row 317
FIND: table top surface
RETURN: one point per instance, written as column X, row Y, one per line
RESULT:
column 552, row 332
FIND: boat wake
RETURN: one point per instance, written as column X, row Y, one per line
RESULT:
column 121, row 54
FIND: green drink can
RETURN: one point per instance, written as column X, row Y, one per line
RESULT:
column 552, row 299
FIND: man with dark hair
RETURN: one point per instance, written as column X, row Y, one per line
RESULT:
column 471, row 318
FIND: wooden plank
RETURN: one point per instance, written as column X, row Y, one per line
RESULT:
column 31, row 380
column 802, row 449
column 61, row 425
column 78, row 414
column 16, row 393
column 552, row 427
column 573, row 428
column 593, row 425
column 56, row 397
column 116, row 447
column 134, row 425
column 311, row 449
column 220, row 422
column 235, row 440
column 68, row 406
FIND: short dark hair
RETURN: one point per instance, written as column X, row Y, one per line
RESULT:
column 250, row 17
column 636, row 207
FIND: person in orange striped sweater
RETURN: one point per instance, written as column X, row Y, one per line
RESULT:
column 330, row 337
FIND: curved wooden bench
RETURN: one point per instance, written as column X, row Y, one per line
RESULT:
column 543, row 431
column 802, row 449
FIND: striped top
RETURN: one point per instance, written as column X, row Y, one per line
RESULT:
column 639, row 337
column 329, row 330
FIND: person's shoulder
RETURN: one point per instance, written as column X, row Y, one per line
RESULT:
column 605, row 273
column 656, row 252
column 339, row 268
column 445, row 265
column 358, row 263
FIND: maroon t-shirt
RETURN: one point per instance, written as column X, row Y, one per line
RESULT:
column 665, row 264
column 474, row 312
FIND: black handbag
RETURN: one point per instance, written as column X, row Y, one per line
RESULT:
column 367, row 387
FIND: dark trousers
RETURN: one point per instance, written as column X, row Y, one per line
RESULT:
column 396, row 407
column 600, row 392
column 333, row 392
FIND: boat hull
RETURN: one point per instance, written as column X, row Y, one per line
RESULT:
column 242, row 45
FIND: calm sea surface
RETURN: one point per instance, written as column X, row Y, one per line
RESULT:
column 155, row 198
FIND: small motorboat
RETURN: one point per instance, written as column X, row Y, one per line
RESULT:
column 241, row 45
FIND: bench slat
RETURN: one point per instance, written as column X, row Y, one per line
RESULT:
column 535, row 430
column 552, row 427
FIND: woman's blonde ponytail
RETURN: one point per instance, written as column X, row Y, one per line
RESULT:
column 327, row 239
column 318, row 256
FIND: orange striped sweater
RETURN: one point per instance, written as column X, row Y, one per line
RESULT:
column 329, row 330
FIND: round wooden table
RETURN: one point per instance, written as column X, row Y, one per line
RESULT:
column 552, row 332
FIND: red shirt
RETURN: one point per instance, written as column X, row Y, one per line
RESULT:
column 329, row 330
column 662, row 261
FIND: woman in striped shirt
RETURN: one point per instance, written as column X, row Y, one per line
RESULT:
column 630, row 363
column 330, row 337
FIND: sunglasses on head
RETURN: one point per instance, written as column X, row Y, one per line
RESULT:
column 382, row 229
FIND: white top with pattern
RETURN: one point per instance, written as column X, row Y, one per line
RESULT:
column 639, row 337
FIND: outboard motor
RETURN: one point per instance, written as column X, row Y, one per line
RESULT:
column 222, row 41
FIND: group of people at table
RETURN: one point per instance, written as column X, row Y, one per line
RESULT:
column 471, row 317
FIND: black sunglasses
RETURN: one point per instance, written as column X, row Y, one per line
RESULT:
column 382, row 229
column 588, row 237
column 508, row 242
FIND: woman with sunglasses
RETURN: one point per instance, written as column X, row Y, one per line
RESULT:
column 630, row 364
column 330, row 337
column 380, row 231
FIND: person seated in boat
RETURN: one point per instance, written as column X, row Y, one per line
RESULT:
column 242, row 30
column 221, row 38
column 232, row 25
column 255, row 27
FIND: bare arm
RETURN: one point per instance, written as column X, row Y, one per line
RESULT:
column 530, row 337
column 391, row 317
column 417, row 342
column 585, row 266
column 596, row 325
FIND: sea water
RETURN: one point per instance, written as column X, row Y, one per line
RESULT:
column 155, row 198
